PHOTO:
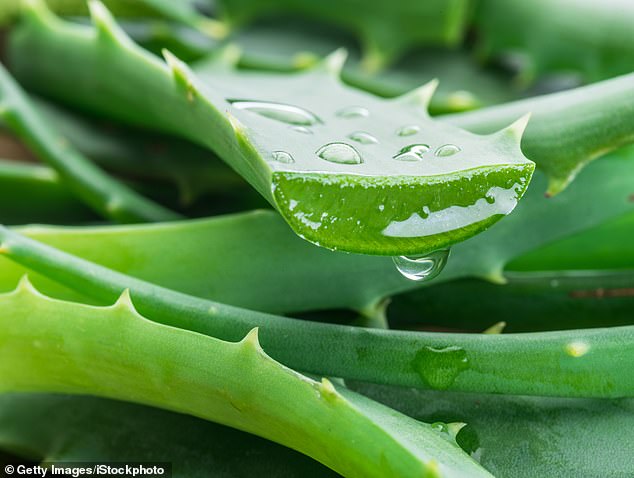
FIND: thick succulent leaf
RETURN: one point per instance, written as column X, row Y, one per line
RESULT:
column 524, row 437
column 195, row 171
column 330, row 158
column 31, row 193
column 98, row 190
column 386, row 30
column 583, row 363
column 567, row 129
column 566, row 300
column 9, row 9
column 72, row 428
column 291, row 45
column 219, row 258
column 56, row 346
column 590, row 39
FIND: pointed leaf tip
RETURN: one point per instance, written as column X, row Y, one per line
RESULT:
column 26, row 286
column 252, row 339
column 517, row 128
column 180, row 72
column 454, row 428
column 35, row 9
column 420, row 96
column 124, row 301
column 496, row 328
column 105, row 23
column 230, row 55
column 236, row 125
column 334, row 62
column 327, row 389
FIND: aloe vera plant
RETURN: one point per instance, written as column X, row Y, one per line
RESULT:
column 376, row 442
column 504, row 356
column 372, row 160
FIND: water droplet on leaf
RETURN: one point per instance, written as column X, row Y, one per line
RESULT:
column 283, row 157
column 425, row 267
column 447, row 150
column 440, row 427
column 301, row 129
column 363, row 137
column 413, row 152
column 341, row 153
column 353, row 112
column 278, row 111
column 439, row 367
column 408, row 130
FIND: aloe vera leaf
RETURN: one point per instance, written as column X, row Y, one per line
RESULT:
column 9, row 9
column 566, row 300
column 593, row 39
column 568, row 129
column 285, row 274
column 586, row 363
column 524, row 437
column 605, row 247
column 194, row 170
column 385, row 30
column 291, row 46
column 72, row 428
column 42, row 198
column 379, row 199
column 186, row 13
column 56, row 346
column 95, row 188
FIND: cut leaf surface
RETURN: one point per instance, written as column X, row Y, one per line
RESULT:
column 295, row 138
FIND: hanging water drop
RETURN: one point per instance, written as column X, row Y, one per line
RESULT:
column 447, row 150
column 340, row 153
column 353, row 112
column 301, row 129
column 408, row 130
column 422, row 268
column 283, row 157
column 278, row 111
column 363, row 137
column 413, row 152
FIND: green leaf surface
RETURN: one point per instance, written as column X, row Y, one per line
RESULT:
column 524, row 437
column 113, row 352
column 385, row 30
column 547, row 300
column 42, row 198
column 135, row 153
column 583, row 37
column 72, row 428
column 219, row 258
column 347, row 170
column 583, row 363
column 567, row 129
column 98, row 190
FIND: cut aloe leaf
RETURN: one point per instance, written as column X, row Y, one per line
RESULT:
column 568, row 129
column 347, row 170
column 221, row 257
